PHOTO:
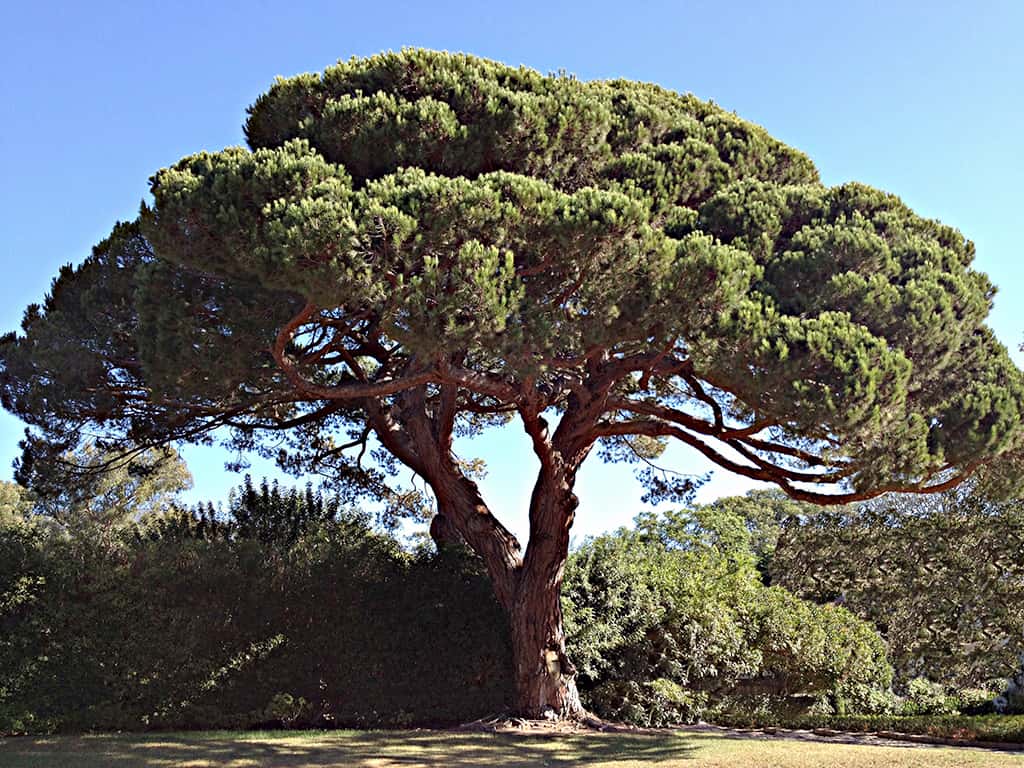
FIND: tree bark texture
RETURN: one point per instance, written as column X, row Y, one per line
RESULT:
column 530, row 593
column 545, row 678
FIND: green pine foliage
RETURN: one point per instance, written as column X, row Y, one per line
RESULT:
column 456, row 211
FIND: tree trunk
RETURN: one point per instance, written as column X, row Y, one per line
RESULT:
column 528, row 587
column 545, row 679
column 530, row 593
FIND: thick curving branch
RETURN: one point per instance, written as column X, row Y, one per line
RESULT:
column 356, row 390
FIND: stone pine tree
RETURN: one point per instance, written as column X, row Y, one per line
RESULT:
column 417, row 246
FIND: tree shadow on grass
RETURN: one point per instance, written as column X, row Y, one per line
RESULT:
column 369, row 749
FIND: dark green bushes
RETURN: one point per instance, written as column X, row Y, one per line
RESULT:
column 309, row 619
column 286, row 610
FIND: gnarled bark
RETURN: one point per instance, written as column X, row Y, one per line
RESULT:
column 545, row 678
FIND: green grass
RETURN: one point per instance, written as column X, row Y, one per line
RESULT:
column 412, row 749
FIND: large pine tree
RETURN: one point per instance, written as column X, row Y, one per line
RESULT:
column 420, row 245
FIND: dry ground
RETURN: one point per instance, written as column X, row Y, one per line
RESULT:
column 417, row 749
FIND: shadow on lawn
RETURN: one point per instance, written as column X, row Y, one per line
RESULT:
column 374, row 749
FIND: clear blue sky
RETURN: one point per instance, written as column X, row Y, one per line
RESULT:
column 923, row 99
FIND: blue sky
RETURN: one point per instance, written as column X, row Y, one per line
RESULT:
column 920, row 99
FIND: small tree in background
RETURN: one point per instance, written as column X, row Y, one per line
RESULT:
column 422, row 245
column 92, row 489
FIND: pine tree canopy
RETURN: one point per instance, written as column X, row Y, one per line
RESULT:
column 436, row 234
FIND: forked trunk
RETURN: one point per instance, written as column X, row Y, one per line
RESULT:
column 529, row 589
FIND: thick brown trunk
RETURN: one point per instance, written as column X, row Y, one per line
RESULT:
column 530, row 593
column 545, row 679
column 528, row 587
column 444, row 533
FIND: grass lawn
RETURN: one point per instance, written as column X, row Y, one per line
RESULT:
column 410, row 749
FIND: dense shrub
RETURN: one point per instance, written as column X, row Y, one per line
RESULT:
column 660, row 626
column 26, row 577
column 189, row 621
column 976, row 701
column 925, row 697
column 939, row 575
column 285, row 609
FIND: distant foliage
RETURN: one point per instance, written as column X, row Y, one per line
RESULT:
column 268, row 514
column 93, row 491
column 941, row 576
column 742, row 527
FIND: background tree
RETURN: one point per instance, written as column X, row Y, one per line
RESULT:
column 15, row 503
column 419, row 245
column 941, row 576
column 92, row 489
column 737, row 526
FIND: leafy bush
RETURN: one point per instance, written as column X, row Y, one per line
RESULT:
column 807, row 649
column 27, row 579
column 190, row 621
column 648, row 703
column 284, row 710
column 925, row 697
column 975, row 701
column 665, row 621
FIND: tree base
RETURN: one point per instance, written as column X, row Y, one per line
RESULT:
column 508, row 722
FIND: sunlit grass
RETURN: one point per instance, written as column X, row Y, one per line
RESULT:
column 413, row 749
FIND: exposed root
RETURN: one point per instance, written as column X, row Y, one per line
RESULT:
column 506, row 722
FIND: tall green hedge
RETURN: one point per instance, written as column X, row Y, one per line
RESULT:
column 185, row 624
column 285, row 610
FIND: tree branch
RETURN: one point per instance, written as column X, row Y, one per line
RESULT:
column 351, row 391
